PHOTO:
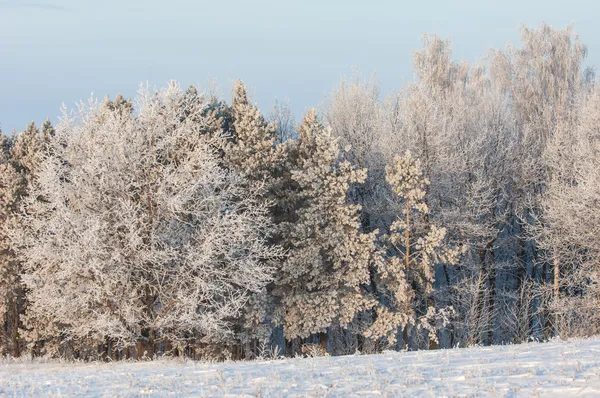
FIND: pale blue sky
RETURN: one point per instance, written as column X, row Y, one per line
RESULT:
column 55, row 51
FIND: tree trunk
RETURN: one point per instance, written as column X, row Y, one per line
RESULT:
column 323, row 341
column 107, row 349
column 405, row 338
column 433, row 344
column 556, row 277
column 488, row 263
column 16, row 351
column 492, row 296
column 407, row 239
column 292, row 347
column 480, row 298
column 145, row 346
column 451, row 326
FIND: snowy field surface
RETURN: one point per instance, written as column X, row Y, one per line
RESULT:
column 552, row 369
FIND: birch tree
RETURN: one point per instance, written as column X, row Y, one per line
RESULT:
column 543, row 78
column 570, row 231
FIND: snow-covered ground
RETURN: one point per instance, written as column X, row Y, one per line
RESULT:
column 552, row 369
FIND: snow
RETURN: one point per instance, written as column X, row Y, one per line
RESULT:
column 557, row 368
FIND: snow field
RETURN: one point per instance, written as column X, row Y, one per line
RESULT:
column 557, row 368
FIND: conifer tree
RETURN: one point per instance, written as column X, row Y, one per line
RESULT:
column 12, row 185
column 251, row 150
column 412, row 248
column 20, row 162
column 27, row 149
column 120, row 104
column 320, row 283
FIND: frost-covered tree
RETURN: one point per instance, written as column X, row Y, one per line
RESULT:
column 412, row 248
column 20, row 161
column 141, row 235
column 28, row 147
column 47, row 131
column 283, row 119
column 12, row 186
column 354, row 114
column 251, row 150
column 120, row 104
column 320, row 283
column 543, row 79
column 449, row 118
column 570, row 232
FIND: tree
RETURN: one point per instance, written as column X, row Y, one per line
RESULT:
column 28, row 148
column 283, row 118
column 354, row 114
column 449, row 118
column 543, row 79
column 47, row 131
column 412, row 248
column 320, row 283
column 19, row 163
column 141, row 235
column 250, row 149
column 12, row 185
column 569, row 233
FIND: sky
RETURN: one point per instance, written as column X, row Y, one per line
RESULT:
column 61, row 51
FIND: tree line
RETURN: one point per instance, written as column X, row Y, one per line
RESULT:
column 461, row 210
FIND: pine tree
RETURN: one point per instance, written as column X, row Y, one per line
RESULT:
column 47, row 131
column 252, row 149
column 411, row 249
column 120, row 104
column 28, row 148
column 320, row 283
